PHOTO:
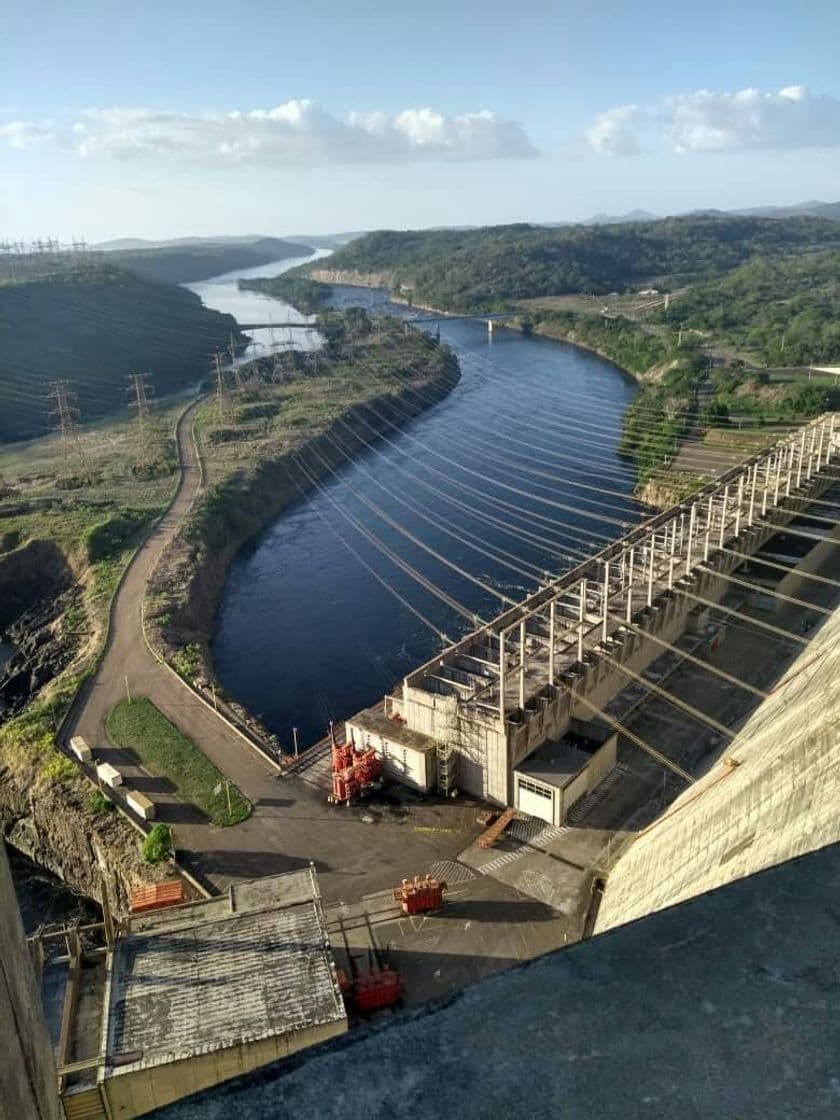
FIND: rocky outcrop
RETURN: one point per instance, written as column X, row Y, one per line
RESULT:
column 352, row 277
column 34, row 573
column 52, row 823
column 44, row 647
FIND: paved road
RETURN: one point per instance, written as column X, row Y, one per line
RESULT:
column 291, row 823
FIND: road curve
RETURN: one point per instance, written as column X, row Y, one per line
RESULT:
column 291, row 824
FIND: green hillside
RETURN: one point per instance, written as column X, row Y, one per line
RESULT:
column 486, row 269
column 93, row 327
column 782, row 311
column 184, row 264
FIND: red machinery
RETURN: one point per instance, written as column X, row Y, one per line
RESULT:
column 353, row 771
column 420, row 895
column 371, row 991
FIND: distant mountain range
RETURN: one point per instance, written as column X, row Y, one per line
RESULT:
column 316, row 241
column 258, row 243
column 812, row 209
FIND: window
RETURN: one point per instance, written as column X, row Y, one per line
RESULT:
column 533, row 787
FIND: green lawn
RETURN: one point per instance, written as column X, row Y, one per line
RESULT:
column 166, row 753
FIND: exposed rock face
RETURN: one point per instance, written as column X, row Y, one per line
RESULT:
column 32, row 574
column 353, row 277
column 44, row 647
column 50, row 822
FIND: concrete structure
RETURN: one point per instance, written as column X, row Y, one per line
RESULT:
column 491, row 699
column 558, row 774
column 724, row 1007
column 80, row 749
column 109, row 775
column 27, row 1070
column 142, row 805
column 192, row 995
column 781, row 800
column 408, row 756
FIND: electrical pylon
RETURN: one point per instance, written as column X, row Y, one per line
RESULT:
column 67, row 427
column 139, row 386
column 222, row 403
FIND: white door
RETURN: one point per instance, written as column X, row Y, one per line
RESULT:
column 536, row 802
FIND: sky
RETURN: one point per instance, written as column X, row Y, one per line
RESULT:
column 183, row 118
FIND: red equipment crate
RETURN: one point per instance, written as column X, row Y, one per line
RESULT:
column 377, row 989
column 420, row 895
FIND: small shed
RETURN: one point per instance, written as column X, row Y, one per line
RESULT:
column 558, row 774
column 408, row 756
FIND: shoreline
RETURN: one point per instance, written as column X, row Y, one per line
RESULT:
column 277, row 485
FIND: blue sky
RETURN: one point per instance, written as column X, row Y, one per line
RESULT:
column 184, row 118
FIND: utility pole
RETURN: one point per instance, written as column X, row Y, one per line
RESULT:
column 222, row 406
column 140, row 387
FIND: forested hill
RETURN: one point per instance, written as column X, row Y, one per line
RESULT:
column 485, row 269
column 781, row 311
column 92, row 327
column 184, row 264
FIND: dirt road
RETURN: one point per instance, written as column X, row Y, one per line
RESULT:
column 291, row 824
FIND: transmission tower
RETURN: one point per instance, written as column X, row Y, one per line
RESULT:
column 67, row 426
column 222, row 403
column 139, row 386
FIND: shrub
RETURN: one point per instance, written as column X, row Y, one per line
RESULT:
column 158, row 844
column 58, row 769
column 109, row 538
column 99, row 803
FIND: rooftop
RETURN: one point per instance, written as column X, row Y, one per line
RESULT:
column 248, row 965
column 631, row 1025
column 377, row 723
column 556, row 762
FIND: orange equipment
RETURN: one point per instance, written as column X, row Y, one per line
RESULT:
column 489, row 838
column 155, row 896
column 353, row 772
column 421, row 895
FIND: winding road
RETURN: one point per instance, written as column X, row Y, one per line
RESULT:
column 291, row 824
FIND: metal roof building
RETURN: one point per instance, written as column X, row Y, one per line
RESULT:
column 199, row 993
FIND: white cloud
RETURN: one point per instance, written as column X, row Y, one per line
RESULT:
column 706, row 121
column 25, row 134
column 295, row 134
column 612, row 133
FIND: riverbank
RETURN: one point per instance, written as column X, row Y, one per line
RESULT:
column 288, row 428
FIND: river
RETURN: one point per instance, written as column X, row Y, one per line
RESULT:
column 305, row 632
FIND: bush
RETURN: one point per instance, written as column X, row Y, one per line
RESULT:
column 58, row 769
column 158, row 844
column 98, row 803
column 110, row 537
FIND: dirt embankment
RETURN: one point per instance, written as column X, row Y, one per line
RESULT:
column 199, row 573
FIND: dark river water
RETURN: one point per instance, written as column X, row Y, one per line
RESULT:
column 307, row 633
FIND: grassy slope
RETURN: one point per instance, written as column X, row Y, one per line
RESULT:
column 163, row 751
column 93, row 327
